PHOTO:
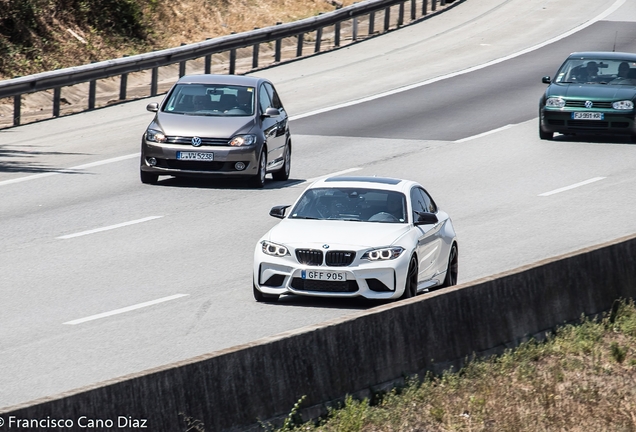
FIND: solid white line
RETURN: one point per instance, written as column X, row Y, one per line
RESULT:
column 583, row 183
column 484, row 134
column 607, row 12
column 96, row 230
column 311, row 180
column 126, row 309
column 69, row 170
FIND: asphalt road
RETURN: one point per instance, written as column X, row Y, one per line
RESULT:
column 102, row 276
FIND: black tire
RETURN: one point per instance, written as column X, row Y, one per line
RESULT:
column 148, row 178
column 452, row 269
column 545, row 135
column 262, row 297
column 410, row 289
column 258, row 181
column 283, row 173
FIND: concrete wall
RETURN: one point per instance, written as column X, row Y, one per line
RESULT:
column 235, row 388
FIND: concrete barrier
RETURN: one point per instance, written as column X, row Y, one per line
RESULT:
column 235, row 388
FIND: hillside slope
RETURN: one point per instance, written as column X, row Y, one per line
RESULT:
column 42, row 35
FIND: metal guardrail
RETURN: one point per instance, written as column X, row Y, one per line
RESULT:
column 17, row 87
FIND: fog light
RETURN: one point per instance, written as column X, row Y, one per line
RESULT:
column 151, row 161
column 240, row 166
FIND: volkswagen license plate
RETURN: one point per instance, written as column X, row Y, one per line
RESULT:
column 587, row 116
column 323, row 275
column 197, row 156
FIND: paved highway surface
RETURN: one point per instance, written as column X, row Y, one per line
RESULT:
column 102, row 276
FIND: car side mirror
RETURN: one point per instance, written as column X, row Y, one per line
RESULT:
column 153, row 107
column 278, row 211
column 426, row 218
column 546, row 80
column 271, row 112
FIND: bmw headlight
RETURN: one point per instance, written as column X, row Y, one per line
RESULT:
column 555, row 102
column 623, row 105
column 274, row 249
column 155, row 136
column 243, row 140
column 387, row 253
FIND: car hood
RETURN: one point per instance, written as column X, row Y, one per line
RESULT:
column 315, row 233
column 592, row 91
column 203, row 126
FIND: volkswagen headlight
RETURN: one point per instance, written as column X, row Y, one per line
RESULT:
column 274, row 249
column 155, row 136
column 623, row 105
column 387, row 253
column 243, row 140
column 555, row 102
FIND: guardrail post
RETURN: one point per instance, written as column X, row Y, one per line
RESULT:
column 354, row 35
column 17, row 107
column 424, row 5
column 154, row 78
column 400, row 22
column 318, row 39
column 278, row 46
column 255, row 51
column 182, row 65
column 207, row 63
column 371, row 22
column 92, row 87
column 57, row 94
column 336, row 41
column 232, row 61
column 299, row 47
column 413, row 10
column 387, row 18
column 123, row 83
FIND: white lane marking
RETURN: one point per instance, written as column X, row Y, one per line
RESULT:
column 96, row 230
column 69, row 170
column 125, row 309
column 563, row 189
column 607, row 12
column 311, row 180
column 485, row 133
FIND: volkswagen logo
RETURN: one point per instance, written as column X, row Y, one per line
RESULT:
column 588, row 104
column 196, row 141
column 325, row 246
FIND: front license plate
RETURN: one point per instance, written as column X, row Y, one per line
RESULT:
column 587, row 116
column 323, row 275
column 197, row 156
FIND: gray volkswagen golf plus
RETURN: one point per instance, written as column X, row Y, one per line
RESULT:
column 218, row 126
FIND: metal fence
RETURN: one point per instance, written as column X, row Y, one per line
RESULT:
column 377, row 16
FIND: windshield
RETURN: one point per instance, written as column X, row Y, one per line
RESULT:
column 211, row 100
column 597, row 71
column 352, row 204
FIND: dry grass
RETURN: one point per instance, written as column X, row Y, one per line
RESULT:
column 583, row 378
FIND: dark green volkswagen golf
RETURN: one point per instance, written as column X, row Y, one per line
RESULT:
column 592, row 93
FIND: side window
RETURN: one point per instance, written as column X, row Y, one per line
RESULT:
column 422, row 202
column 263, row 99
column 417, row 202
column 432, row 208
column 276, row 103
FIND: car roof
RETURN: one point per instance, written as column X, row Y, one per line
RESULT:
column 251, row 81
column 367, row 182
column 606, row 55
